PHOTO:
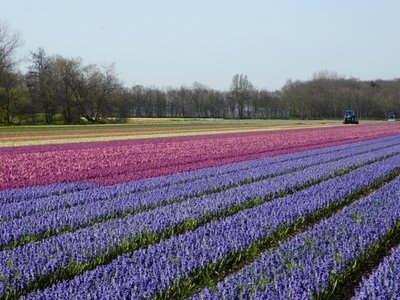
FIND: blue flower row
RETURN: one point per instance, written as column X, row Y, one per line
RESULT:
column 384, row 282
column 73, row 218
column 114, row 232
column 309, row 262
column 147, row 271
column 185, row 185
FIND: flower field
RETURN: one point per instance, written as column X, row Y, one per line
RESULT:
column 120, row 161
column 291, row 214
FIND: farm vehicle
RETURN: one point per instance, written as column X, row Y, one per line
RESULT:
column 350, row 117
column 391, row 117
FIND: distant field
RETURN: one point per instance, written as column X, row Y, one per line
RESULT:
column 137, row 128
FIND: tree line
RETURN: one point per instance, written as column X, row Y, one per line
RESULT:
column 56, row 89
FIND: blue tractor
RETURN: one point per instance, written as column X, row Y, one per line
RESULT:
column 350, row 117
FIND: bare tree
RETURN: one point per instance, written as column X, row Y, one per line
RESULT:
column 39, row 81
column 240, row 92
column 67, row 81
column 96, row 88
column 160, row 103
column 9, row 42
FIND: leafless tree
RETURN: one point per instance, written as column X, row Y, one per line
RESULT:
column 39, row 81
column 240, row 93
column 9, row 42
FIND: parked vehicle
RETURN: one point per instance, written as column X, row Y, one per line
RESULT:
column 350, row 117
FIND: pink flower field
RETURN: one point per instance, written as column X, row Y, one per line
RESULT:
column 120, row 161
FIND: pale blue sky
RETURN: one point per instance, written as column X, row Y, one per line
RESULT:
column 177, row 42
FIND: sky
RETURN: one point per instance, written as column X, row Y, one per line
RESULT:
column 163, row 43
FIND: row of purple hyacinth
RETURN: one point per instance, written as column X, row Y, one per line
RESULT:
column 73, row 218
column 226, row 179
column 384, row 282
column 146, row 272
column 305, row 264
column 42, row 191
column 94, row 241
column 60, row 190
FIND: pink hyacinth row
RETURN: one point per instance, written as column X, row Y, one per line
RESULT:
column 120, row 161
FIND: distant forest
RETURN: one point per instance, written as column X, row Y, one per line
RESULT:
column 56, row 89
